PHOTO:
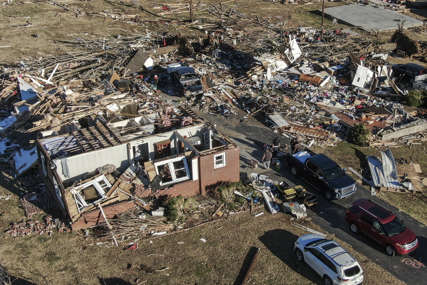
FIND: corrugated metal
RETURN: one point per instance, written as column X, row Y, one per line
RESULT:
column 384, row 173
column 389, row 169
column 278, row 120
column 376, row 170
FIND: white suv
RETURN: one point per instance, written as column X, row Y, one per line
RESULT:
column 328, row 259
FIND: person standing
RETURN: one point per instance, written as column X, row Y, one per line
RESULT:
column 266, row 158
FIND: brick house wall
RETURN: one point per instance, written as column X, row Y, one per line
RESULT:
column 93, row 218
column 210, row 175
column 186, row 189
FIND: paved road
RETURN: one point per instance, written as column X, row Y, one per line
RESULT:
column 250, row 136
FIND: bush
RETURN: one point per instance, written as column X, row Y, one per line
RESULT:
column 359, row 135
column 177, row 206
column 417, row 98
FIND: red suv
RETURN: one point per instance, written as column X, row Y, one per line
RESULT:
column 382, row 226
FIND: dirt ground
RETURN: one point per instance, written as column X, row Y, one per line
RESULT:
column 181, row 258
column 36, row 28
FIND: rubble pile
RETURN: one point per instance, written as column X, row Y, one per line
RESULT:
column 134, row 225
column 35, row 227
column 125, row 99
column 327, row 75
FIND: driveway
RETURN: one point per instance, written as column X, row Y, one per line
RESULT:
column 250, row 135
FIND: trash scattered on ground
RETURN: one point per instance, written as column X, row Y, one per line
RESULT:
column 113, row 127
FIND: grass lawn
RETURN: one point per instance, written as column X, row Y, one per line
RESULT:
column 180, row 258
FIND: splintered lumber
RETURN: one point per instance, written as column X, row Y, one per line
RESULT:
column 108, row 224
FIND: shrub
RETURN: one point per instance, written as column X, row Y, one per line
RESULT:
column 177, row 206
column 417, row 98
column 359, row 135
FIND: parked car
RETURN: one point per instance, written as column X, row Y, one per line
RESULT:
column 382, row 226
column 185, row 79
column 323, row 173
column 328, row 259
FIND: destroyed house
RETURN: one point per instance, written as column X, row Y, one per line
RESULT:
column 107, row 168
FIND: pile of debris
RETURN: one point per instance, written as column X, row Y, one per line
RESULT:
column 34, row 227
column 132, row 226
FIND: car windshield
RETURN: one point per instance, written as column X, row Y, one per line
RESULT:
column 316, row 242
column 394, row 227
column 352, row 271
column 187, row 76
column 333, row 173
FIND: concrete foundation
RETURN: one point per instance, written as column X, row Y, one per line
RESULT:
column 371, row 18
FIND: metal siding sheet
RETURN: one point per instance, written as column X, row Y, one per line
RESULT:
column 376, row 170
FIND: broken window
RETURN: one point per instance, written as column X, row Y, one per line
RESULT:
column 91, row 192
column 179, row 167
column 219, row 160
column 163, row 148
column 173, row 170
column 165, row 173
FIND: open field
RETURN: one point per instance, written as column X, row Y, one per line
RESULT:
column 38, row 28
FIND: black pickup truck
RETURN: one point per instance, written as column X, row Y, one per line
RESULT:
column 322, row 173
column 185, row 79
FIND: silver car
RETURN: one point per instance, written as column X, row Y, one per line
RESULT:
column 328, row 259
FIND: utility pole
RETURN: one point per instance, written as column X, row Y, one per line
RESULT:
column 191, row 11
column 323, row 15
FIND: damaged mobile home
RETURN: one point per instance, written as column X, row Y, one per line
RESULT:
column 107, row 168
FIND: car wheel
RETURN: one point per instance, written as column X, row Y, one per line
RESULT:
column 390, row 251
column 327, row 280
column 299, row 255
column 354, row 229
column 328, row 195
column 294, row 171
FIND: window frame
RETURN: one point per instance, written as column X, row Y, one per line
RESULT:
column 223, row 164
column 100, row 189
column 170, row 163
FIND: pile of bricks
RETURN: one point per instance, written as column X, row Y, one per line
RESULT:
column 32, row 227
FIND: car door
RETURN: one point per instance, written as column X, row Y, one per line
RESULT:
column 328, row 268
column 364, row 224
column 378, row 233
column 373, row 232
column 315, row 261
column 321, row 180
column 309, row 258
column 312, row 173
